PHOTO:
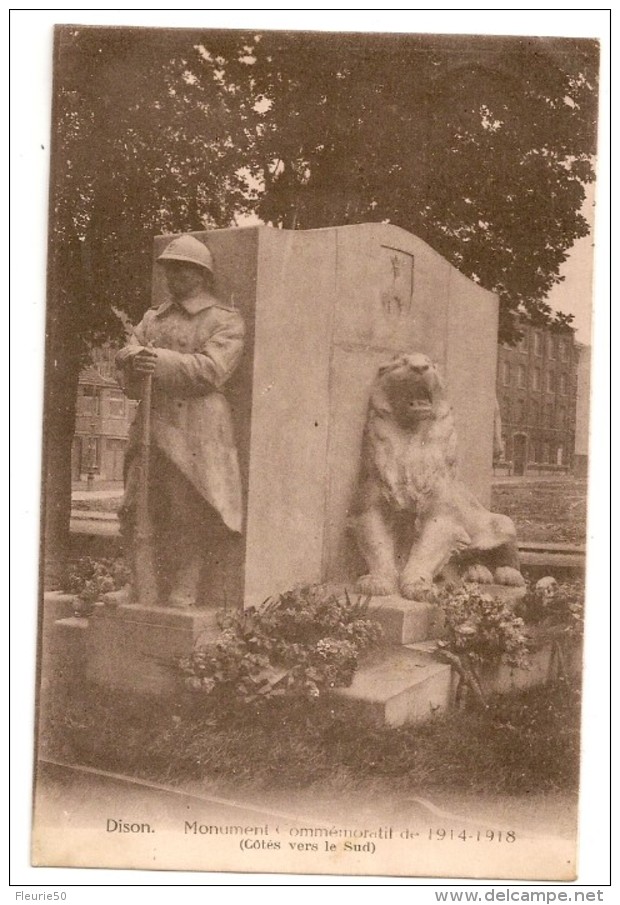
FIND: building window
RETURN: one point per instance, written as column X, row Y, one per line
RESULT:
column 88, row 401
column 507, row 413
column 506, row 373
column 536, row 379
column 521, row 409
column 116, row 404
column 563, row 349
column 551, row 346
column 534, row 412
column 561, row 417
column 522, row 345
column 521, row 374
column 550, row 381
column 91, row 455
column 547, row 453
column 549, row 415
column 104, row 359
column 537, row 344
column 563, row 383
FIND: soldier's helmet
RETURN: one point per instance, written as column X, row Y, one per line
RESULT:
column 189, row 250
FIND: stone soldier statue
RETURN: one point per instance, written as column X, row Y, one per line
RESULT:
column 190, row 345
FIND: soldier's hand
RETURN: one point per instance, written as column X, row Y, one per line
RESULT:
column 144, row 361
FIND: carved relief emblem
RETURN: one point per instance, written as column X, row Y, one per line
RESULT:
column 397, row 281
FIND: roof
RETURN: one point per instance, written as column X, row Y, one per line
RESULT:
column 91, row 375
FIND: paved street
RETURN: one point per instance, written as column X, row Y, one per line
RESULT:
column 109, row 493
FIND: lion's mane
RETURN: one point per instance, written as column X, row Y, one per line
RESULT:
column 410, row 441
column 408, row 469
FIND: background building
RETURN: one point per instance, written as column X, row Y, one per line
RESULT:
column 103, row 417
column 536, row 390
column 582, row 418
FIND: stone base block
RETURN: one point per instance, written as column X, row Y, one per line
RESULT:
column 402, row 686
column 409, row 684
column 552, row 656
column 138, row 648
column 64, row 651
column 405, row 621
column 507, row 593
column 551, row 659
column 409, row 621
column 57, row 605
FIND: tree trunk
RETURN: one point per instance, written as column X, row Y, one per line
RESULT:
column 61, row 381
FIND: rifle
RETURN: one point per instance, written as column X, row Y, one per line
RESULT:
column 144, row 566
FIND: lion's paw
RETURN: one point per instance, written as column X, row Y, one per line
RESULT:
column 377, row 585
column 417, row 588
column 478, row 574
column 509, row 576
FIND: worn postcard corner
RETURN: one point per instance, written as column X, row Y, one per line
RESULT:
column 315, row 453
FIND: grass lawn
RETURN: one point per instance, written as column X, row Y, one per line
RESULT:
column 525, row 743
column 545, row 510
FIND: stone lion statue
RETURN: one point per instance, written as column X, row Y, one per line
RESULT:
column 413, row 519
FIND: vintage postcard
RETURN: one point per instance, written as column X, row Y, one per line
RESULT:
column 316, row 453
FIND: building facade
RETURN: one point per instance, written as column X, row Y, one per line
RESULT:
column 536, row 391
column 103, row 417
column 582, row 419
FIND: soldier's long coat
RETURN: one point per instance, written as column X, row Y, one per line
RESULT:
column 198, row 343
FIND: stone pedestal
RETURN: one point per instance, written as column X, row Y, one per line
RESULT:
column 405, row 621
column 138, row 649
column 408, row 684
column 64, row 650
column 403, row 686
column 410, row 621
column 324, row 308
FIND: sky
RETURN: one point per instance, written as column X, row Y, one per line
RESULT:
column 574, row 295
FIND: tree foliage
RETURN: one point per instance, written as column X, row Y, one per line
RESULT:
column 480, row 146
column 141, row 149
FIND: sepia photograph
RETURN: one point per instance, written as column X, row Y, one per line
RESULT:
column 315, row 452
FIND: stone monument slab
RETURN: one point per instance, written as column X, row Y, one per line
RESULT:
column 323, row 308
